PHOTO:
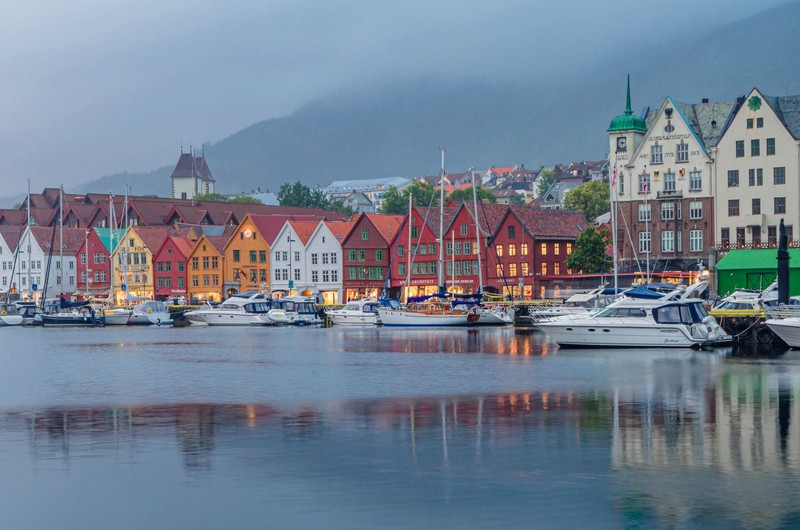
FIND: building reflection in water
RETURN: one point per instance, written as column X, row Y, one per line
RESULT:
column 508, row 341
column 682, row 447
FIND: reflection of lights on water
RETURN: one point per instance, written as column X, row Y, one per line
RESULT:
column 250, row 414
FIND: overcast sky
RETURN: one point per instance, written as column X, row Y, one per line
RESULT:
column 90, row 88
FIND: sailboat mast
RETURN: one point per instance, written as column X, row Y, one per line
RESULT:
column 441, row 226
column 408, row 254
column 125, row 254
column 477, row 232
column 28, row 248
column 113, row 222
column 61, row 237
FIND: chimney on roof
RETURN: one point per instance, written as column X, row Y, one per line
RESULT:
column 705, row 100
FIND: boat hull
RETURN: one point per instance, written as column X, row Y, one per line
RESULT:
column 11, row 320
column 787, row 329
column 116, row 318
column 398, row 317
column 71, row 320
column 352, row 318
column 594, row 334
column 150, row 319
column 214, row 318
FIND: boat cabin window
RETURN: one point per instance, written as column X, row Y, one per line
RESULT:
column 371, row 308
column 257, row 307
column 617, row 312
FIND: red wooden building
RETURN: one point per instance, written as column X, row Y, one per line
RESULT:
column 526, row 258
column 366, row 254
column 169, row 276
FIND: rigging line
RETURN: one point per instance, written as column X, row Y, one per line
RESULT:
column 633, row 248
column 415, row 249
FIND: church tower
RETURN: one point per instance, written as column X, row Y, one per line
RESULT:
column 192, row 176
column 625, row 135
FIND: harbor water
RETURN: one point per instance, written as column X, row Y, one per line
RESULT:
column 213, row 427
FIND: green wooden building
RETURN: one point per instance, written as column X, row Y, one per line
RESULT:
column 755, row 269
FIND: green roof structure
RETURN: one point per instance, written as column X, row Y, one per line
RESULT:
column 628, row 121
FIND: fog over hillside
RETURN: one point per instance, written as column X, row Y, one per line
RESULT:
column 533, row 114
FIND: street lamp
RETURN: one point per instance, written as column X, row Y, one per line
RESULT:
column 291, row 271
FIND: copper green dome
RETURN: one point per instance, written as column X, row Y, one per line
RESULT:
column 628, row 121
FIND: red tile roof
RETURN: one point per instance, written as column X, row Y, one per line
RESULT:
column 546, row 223
column 73, row 238
column 304, row 229
column 340, row 229
column 386, row 225
column 11, row 235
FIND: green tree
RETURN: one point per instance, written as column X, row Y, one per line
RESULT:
column 465, row 195
column 590, row 199
column 546, row 178
column 218, row 197
column 395, row 202
column 516, row 199
column 339, row 206
column 298, row 194
column 589, row 254
column 245, row 199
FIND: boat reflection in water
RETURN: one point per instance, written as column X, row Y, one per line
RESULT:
column 697, row 442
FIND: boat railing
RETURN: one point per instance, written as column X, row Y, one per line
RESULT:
column 782, row 311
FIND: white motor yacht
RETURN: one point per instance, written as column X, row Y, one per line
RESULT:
column 150, row 313
column 642, row 318
column 362, row 312
column 238, row 310
column 297, row 310
column 579, row 304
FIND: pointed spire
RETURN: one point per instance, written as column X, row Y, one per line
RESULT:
column 628, row 110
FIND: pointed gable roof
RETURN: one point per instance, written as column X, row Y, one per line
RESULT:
column 787, row 108
column 386, row 225
column 340, row 229
column 11, row 235
column 269, row 226
column 304, row 229
column 186, row 167
column 104, row 235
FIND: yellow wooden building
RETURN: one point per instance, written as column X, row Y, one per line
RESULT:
column 206, row 269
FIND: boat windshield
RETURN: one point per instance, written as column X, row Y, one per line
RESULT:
column 352, row 306
column 680, row 313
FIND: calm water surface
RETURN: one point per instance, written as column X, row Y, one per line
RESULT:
column 362, row 428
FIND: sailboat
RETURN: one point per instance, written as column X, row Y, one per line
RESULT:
column 432, row 310
column 115, row 316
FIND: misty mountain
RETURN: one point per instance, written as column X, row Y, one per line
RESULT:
column 396, row 128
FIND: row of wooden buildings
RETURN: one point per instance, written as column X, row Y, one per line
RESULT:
column 208, row 250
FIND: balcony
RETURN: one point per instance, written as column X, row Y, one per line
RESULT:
column 674, row 194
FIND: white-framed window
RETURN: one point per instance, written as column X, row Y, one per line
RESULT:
column 315, row 276
column 667, row 211
column 644, row 241
column 324, row 258
column 644, row 212
column 696, row 180
column 667, row 241
column 669, row 182
column 695, row 241
column 695, row 210
column 643, row 184
column 656, row 154
column 682, row 153
column 314, row 259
